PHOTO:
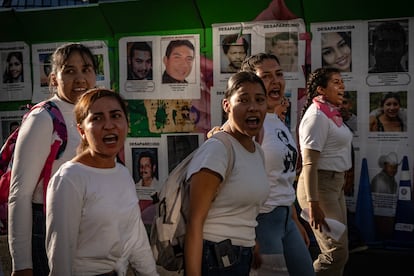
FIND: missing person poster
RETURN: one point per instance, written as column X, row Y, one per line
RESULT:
column 42, row 66
column 16, row 75
column 160, row 67
column 233, row 42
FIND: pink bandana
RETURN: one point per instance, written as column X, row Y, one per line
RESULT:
column 329, row 109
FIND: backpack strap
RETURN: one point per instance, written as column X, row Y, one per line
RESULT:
column 58, row 146
column 58, row 123
column 224, row 138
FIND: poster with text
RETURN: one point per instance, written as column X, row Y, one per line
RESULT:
column 142, row 158
column 390, row 52
column 160, row 67
column 10, row 120
column 177, row 146
column 16, row 75
column 340, row 45
column 41, row 62
column 233, row 42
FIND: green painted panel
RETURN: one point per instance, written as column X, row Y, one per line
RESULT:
column 63, row 24
column 10, row 26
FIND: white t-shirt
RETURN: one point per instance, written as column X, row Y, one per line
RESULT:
column 281, row 155
column 318, row 132
column 233, row 213
column 93, row 223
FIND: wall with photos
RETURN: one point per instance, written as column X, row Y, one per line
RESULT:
column 168, row 120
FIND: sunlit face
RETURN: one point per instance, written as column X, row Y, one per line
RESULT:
column 145, row 169
column 272, row 76
column 391, row 107
column 15, row 67
column 334, row 91
column 141, row 64
column 246, row 108
column 236, row 54
column 336, row 53
column 105, row 128
column 74, row 78
column 179, row 64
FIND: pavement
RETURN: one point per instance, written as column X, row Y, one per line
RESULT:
column 378, row 260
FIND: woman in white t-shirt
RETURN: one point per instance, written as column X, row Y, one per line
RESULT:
column 73, row 73
column 93, row 220
column 325, row 143
column 281, row 236
column 220, row 233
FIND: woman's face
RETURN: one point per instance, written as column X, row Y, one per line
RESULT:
column 74, row 78
column 105, row 128
column 336, row 53
column 391, row 107
column 15, row 67
column 246, row 108
column 334, row 91
column 272, row 76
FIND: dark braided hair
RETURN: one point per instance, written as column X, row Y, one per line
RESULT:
column 319, row 77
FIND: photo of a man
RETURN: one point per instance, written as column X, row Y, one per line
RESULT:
column 178, row 61
column 388, row 46
column 147, row 168
column 139, row 60
column 179, row 146
column 285, row 46
column 235, row 49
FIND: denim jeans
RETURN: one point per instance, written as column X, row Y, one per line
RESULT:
column 278, row 236
column 39, row 257
column 241, row 267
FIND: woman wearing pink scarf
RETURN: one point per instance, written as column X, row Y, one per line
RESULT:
column 325, row 143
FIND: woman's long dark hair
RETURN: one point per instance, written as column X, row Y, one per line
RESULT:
column 319, row 77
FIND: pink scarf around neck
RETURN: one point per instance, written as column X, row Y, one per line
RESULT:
column 329, row 109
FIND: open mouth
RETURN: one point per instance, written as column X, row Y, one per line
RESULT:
column 253, row 121
column 274, row 94
column 80, row 89
column 110, row 139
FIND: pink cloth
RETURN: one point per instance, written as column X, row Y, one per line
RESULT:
column 276, row 10
column 329, row 109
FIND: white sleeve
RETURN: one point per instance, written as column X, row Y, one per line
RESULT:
column 142, row 258
column 64, row 201
column 32, row 149
column 314, row 131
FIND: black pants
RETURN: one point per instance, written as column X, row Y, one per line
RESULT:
column 39, row 257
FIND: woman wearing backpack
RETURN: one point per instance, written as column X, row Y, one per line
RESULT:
column 73, row 73
column 222, row 212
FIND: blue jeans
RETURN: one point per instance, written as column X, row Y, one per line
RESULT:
column 277, row 234
column 39, row 257
column 241, row 267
